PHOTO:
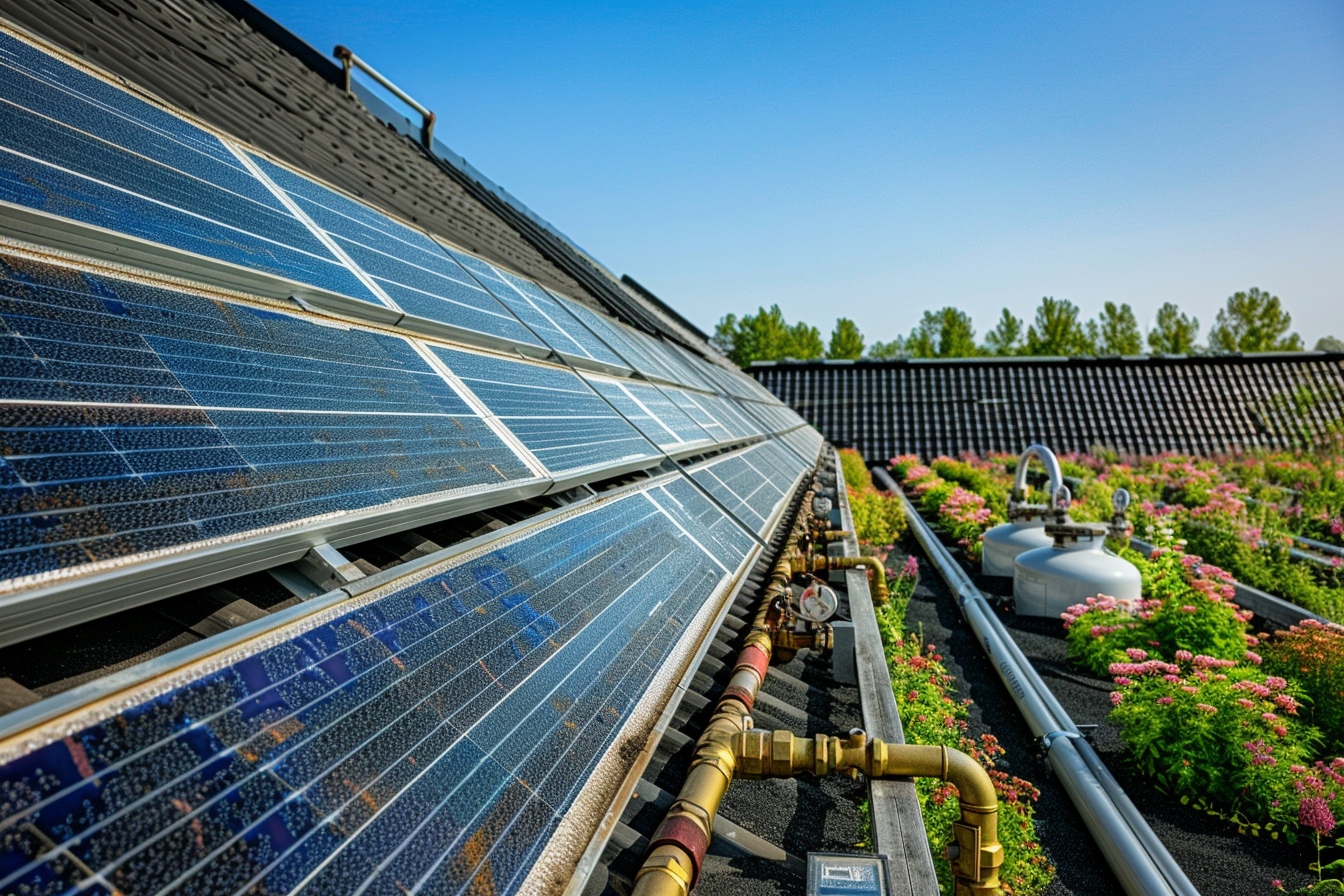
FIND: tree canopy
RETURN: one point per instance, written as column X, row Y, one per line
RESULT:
column 1057, row 330
column 1175, row 333
column 1251, row 321
column 846, row 341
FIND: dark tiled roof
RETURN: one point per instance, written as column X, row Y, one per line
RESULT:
column 1200, row 405
column 237, row 70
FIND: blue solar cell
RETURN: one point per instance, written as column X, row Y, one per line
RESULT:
column 724, row 536
column 652, row 413
column 77, row 147
column 413, row 270
column 751, row 483
column 541, row 312
column 805, row 442
column 549, row 326
column 629, row 344
column 551, row 410
column 695, row 405
column 729, row 416
column 142, row 418
column 377, row 748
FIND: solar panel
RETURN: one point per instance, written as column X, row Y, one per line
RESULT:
column 76, row 147
column 541, row 312
column 652, row 413
column 804, row 441
column 623, row 340
column 138, row 419
column 429, row 735
column 737, row 424
column 751, row 484
column 411, row 269
column 552, row 411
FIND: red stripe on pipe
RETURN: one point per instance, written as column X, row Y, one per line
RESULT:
column 680, row 831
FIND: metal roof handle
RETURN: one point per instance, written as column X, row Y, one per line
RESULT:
column 350, row 60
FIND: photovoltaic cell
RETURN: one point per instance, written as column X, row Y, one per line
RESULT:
column 540, row 311
column 751, row 483
column 136, row 418
column 805, row 441
column 694, row 405
column 552, row 411
column 427, row 737
column 722, row 535
column 413, row 270
column 652, row 413
column 729, row 417
column 79, row 148
column 623, row 340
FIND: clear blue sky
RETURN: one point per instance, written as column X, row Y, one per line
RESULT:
column 878, row 161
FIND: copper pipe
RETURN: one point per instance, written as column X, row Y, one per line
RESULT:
column 975, row 853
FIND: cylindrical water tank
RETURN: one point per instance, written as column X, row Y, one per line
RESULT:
column 1025, row 529
column 1005, row 542
column 1076, row 566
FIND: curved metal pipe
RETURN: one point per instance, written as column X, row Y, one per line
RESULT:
column 877, row 574
column 1138, row 858
column 1052, row 471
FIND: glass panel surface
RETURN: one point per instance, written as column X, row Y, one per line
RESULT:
column 77, row 147
column 552, row 411
column 415, row 272
column 652, row 412
column 425, row 737
column 140, row 418
column 752, row 483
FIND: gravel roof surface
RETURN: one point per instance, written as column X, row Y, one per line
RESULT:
column 1213, row 855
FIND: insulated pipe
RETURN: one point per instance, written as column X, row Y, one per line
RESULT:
column 1140, row 862
column 1052, row 471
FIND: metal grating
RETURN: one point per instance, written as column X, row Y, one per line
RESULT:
column 428, row 736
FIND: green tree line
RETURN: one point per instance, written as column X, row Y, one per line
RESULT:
column 1251, row 321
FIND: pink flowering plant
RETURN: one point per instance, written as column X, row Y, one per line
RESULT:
column 879, row 518
column 1312, row 654
column 931, row 714
column 1224, row 736
column 1186, row 607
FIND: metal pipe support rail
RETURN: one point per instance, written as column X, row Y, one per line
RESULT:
column 730, row 746
column 349, row 60
column 1140, row 862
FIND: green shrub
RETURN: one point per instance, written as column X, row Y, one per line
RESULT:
column 1312, row 654
column 855, row 469
column 1223, row 736
column 930, row 715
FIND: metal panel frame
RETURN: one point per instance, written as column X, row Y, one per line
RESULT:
column 98, row 592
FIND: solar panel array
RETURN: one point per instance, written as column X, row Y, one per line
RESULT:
column 429, row 735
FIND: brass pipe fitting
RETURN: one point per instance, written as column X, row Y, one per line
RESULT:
column 877, row 574
column 975, row 853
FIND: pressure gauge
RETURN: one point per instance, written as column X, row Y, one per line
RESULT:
column 817, row 603
column 1120, row 501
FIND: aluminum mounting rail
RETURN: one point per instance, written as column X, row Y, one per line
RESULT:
column 1138, row 859
column 350, row 60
